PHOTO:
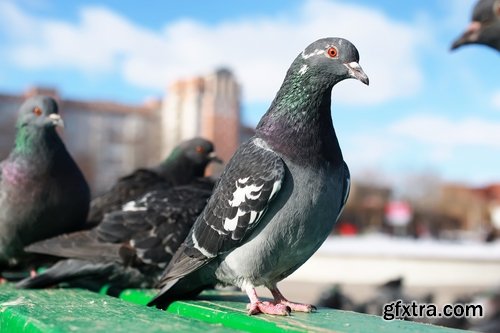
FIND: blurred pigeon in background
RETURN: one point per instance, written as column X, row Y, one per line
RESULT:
column 131, row 247
column 485, row 26
column 42, row 191
column 335, row 298
column 279, row 196
column 184, row 164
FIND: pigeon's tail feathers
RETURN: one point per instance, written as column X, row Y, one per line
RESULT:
column 64, row 271
column 182, row 265
column 180, row 288
column 184, row 279
column 161, row 298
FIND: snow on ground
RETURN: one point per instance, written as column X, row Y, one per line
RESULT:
column 378, row 245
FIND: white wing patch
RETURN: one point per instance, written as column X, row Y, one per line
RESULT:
column 244, row 192
column 346, row 195
column 200, row 248
column 276, row 188
column 230, row 224
column 132, row 206
column 241, row 194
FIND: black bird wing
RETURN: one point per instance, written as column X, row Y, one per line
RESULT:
column 126, row 189
column 346, row 188
column 146, row 231
column 250, row 181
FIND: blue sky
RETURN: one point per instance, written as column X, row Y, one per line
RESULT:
column 427, row 110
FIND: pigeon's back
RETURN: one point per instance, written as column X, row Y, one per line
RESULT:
column 126, row 189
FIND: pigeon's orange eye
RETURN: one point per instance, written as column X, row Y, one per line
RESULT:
column 37, row 111
column 332, row 52
column 200, row 150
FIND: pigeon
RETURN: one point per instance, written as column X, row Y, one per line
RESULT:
column 184, row 164
column 335, row 298
column 280, row 194
column 130, row 248
column 43, row 193
column 485, row 26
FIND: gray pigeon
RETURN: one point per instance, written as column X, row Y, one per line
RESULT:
column 484, row 28
column 42, row 191
column 185, row 163
column 131, row 247
column 279, row 196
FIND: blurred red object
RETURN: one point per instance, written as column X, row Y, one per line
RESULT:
column 347, row 229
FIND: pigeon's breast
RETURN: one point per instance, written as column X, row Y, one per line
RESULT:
column 14, row 175
column 294, row 227
column 18, row 184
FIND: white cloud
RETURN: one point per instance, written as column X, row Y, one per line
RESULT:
column 495, row 100
column 362, row 150
column 446, row 133
column 259, row 50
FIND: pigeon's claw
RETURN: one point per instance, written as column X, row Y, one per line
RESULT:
column 268, row 308
column 299, row 307
column 256, row 306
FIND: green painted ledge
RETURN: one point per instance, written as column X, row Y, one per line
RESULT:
column 229, row 308
column 74, row 310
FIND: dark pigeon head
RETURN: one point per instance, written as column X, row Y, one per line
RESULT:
column 199, row 151
column 329, row 61
column 484, row 28
column 39, row 112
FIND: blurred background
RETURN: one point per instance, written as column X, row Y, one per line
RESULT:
column 422, row 141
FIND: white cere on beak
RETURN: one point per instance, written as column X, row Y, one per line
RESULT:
column 56, row 119
column 354, row 65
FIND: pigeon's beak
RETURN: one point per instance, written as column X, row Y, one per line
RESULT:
column 56, row 120
column 214, row 158
column 356, row 72
column 469, row 36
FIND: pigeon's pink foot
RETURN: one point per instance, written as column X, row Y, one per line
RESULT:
column 33, row 273
column 298, row 307
column 256, row 306
column 2, row 280
column 268, row 308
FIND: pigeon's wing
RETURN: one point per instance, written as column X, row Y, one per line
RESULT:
column 346, row 189
column 146, row 231
column 250, row 181
column 126, row 189
column 109, row 241
column 154, row 226
column 81, row 245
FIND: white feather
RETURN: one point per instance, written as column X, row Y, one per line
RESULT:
column 200, row 248
column 242, row 193
column 133, row 207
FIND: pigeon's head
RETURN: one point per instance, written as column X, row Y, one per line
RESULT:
column 199, row 151
column 40, row 112
column 329, row 61
column 484, row 28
